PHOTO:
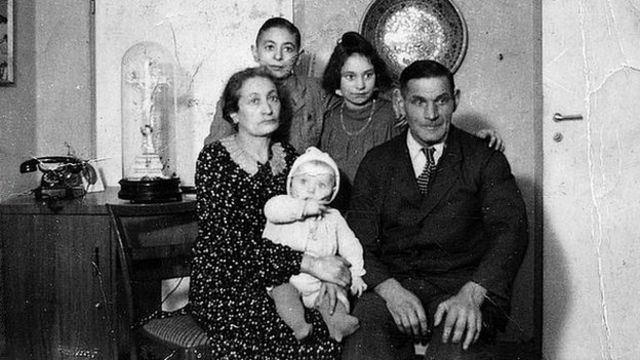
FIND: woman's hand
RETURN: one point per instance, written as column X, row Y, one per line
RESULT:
column 328, row 268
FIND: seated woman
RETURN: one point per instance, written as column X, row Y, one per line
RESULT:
column 232, row 263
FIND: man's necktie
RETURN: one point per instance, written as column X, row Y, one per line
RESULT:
column 428, row 172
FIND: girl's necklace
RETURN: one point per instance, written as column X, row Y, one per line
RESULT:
column 354, row 133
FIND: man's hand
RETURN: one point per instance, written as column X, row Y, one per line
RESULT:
column 405, row 308
column 462, row 313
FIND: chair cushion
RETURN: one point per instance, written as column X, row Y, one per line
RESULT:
column 179, row 331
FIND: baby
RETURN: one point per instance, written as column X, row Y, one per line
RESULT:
column 303, row 221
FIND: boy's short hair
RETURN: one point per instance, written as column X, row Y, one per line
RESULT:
column 281, row 23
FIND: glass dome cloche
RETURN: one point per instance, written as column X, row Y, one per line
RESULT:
column 148, row 125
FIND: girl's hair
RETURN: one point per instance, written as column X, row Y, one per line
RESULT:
column 281, row 23
column 354, row 43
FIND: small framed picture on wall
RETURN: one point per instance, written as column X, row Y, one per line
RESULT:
column 6, row 42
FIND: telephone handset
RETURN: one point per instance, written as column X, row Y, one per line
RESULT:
column 42, row 162
column 62, row 176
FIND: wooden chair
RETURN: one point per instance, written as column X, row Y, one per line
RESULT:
column 154, row 243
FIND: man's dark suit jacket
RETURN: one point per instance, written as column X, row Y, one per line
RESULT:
column 472, row 225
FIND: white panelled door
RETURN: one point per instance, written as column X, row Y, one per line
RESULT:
column 591, row 179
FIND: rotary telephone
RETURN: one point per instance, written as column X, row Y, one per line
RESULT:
column 63, row 177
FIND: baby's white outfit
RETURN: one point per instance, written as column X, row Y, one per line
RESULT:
column 319, row 236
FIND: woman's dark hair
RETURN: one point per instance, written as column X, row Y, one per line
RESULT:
column 231, row 97
column 231, row 93
column 353, row 43
column 281, row 23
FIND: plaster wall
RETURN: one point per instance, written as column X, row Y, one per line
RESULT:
column 50, row 102
column 210, row 41
column 18, row 106
column 499, row 87
column 64, row 98
column 49, row 105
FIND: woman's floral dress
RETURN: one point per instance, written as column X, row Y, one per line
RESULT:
column 233, row 264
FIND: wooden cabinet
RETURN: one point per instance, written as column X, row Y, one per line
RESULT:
column 59, row 278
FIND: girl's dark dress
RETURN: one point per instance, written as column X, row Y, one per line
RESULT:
column 233, row 265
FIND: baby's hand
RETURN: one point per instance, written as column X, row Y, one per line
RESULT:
column 358, row 286
column 313, row 207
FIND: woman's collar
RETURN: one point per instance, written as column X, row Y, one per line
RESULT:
column 248, row 163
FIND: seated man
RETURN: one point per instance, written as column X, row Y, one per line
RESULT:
column 444, row 230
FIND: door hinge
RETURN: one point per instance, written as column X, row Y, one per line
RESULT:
column 93, row 7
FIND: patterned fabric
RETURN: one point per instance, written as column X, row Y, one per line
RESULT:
column 429, row 170
column 233, row 264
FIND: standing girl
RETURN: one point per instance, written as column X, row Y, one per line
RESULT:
column 358, row 117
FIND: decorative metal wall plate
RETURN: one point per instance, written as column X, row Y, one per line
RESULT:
column 404, row 31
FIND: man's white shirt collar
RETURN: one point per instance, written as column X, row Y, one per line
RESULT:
column 418, row 160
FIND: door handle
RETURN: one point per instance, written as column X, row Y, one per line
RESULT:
column 559, row 117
